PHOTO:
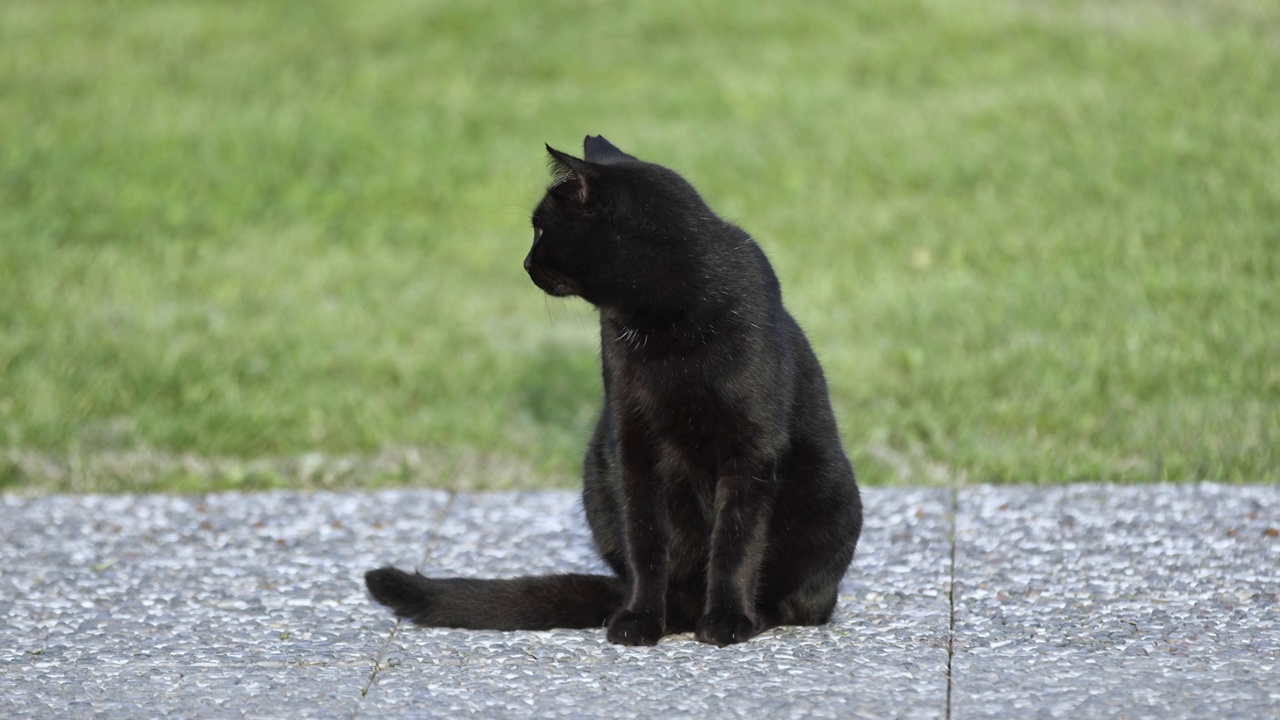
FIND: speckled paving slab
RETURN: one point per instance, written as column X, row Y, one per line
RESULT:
column 884, row 655
column 252, row 605
column 157, row 606
column 1100, row 601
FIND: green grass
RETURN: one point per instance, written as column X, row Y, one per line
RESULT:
column 1030, row 241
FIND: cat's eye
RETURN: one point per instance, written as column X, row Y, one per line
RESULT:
column 537, row 235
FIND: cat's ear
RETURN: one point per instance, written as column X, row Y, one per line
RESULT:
column 598, row 150
column 572, row 175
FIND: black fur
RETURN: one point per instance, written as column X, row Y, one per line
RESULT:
column 714, row 483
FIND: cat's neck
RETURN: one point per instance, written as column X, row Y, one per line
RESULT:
column 653, row 332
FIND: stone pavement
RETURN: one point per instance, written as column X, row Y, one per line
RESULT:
column 1010, row 601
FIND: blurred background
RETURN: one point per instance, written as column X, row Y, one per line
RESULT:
column 250, row 244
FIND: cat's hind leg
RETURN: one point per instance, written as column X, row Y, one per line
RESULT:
column 810, row 605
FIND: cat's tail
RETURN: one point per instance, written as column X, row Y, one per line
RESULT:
column 525, row 603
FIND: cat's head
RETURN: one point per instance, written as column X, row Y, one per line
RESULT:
column 614, row 230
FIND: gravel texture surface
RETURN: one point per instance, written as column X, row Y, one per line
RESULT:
column 1084, row 601
column 1068, row 601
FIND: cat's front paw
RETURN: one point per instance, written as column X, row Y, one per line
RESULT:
column 631, row 628
column 725, row 628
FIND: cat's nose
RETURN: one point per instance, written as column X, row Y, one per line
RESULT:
column 528, row 259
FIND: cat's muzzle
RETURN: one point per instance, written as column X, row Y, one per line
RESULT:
column 551, row 282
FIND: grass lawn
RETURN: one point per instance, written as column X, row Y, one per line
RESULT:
column 1031, row 241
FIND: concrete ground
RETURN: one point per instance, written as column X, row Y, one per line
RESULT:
column 1012, row 601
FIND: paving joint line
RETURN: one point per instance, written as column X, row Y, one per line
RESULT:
column 378, row 666
column 951, row 597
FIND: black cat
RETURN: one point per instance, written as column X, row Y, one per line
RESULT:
column 714, row 483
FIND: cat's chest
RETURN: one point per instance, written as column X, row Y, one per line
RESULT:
column 679, row 404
